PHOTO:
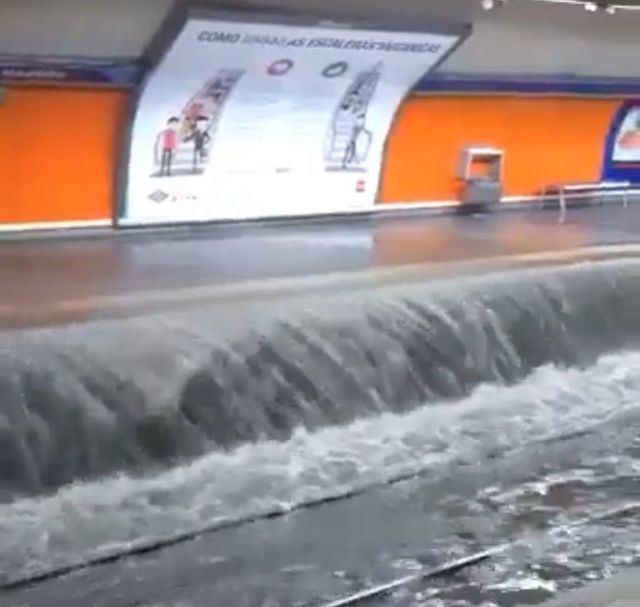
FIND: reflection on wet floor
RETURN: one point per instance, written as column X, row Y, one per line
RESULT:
column 450, row 240
column 69, row 279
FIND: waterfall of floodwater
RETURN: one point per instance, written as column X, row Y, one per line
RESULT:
column 141, row 394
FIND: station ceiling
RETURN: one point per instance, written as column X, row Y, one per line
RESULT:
column 522, row 36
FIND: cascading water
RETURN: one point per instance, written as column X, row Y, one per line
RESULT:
column 133, row 394
column 216, row 413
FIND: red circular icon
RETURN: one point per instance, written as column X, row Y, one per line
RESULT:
column 280, row 67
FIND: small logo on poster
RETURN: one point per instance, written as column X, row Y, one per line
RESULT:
column 158, row 196
column 361, row 186
column 280, row 67
column 335, row 70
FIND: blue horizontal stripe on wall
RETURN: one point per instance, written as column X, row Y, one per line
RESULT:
column 71, row 70
column 534, row 84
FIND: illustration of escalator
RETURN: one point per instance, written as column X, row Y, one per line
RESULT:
column 348, row 139
column 198, row 123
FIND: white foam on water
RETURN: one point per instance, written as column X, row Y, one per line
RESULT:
column 85, row 519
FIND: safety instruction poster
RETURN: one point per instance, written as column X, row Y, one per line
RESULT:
column 251, row 120
column 627, row 144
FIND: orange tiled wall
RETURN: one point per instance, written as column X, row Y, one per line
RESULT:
column 58, row 153
column 546, row 139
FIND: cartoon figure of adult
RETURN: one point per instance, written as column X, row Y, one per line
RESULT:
column 358, row 129
column 167, row 143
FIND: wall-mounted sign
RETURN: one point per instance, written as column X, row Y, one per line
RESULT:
column 69, row 70
column 627, row 139
column 622, row 152
column 246, row 119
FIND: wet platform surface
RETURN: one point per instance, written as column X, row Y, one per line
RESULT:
column 43, row 274
column 621, row 591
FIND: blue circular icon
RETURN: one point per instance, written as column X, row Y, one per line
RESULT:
column 335, row 70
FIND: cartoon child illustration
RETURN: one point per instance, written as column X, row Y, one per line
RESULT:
column 199, row 134
column 167, row 142
column 630, row 139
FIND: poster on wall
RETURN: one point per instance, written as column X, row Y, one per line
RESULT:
column 245, row 119
column 622, row 148
column 627, row 141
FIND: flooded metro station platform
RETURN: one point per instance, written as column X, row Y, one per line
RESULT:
column 319, row 304
column 48, row 279
column 288, row 414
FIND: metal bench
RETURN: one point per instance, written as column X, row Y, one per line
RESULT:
column 563, row 190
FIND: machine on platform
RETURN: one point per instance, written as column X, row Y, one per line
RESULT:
column 480, row 171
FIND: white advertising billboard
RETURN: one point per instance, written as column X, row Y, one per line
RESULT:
column 252, row 120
